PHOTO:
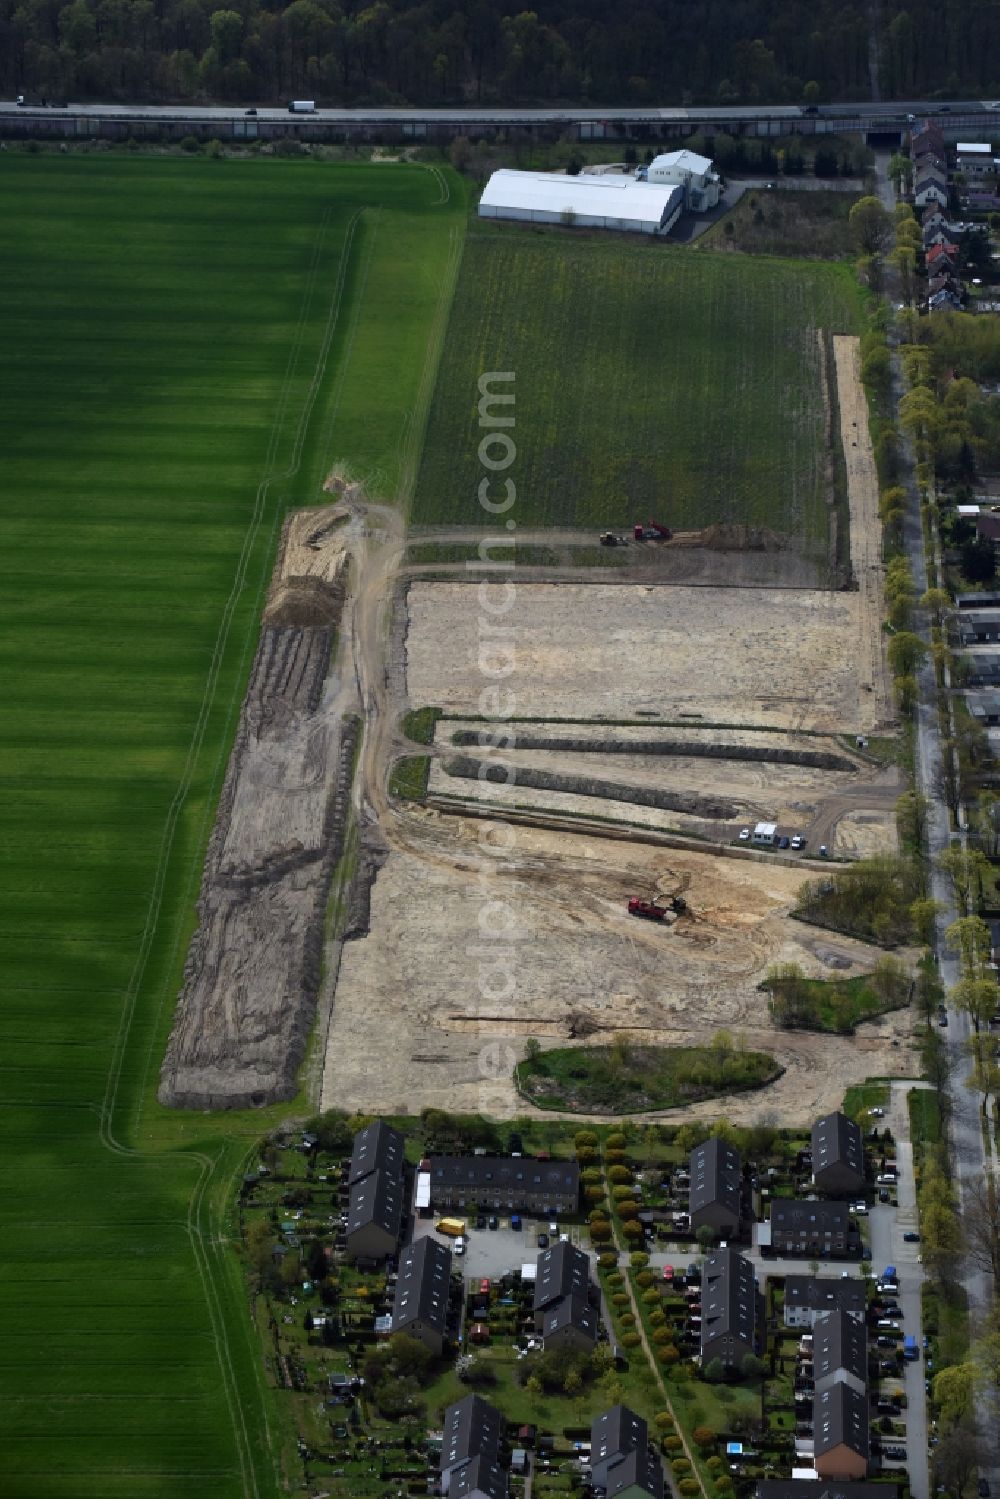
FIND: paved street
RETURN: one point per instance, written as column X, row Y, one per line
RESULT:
column 968, row 1154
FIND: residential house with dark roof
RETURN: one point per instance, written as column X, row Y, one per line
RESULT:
column 809, row 1229
column 941, row 256
column 979, row 668
column 807, row 1297
column 377, row 1147
column 423, row 1287
column 569, row 1323
column 984, row 707
column 980, row 626
column 513, row 1184
column 562, row 1270
column 728, row 1308
column 944, row 299
column 716, row 1188
column 838, row 1155
column 480, row 1478
column 841, row 1440
column 988, row 529
column 472, row 1428
column 639, row 1475
column 937, row 233
column 840, row 1351
column 930, row 187
column 374, row 1217
column 808, row 1488
column 613, row 1434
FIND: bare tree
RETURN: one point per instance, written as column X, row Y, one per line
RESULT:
column 981, row 1220
column 956, row 1457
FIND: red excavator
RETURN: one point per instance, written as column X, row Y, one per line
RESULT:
column 647, row 908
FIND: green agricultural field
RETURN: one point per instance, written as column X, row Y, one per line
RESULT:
column 650, row 381
column 190, row 346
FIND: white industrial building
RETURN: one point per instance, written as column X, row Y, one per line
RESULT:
column 586, row 202
column 690, row 171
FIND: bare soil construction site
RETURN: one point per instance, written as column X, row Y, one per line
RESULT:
column 655, row 718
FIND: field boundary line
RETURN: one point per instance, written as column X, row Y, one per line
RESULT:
column 415, row 431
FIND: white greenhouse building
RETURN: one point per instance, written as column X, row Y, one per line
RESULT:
column 602, row 202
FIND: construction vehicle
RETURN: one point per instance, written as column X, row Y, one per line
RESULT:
column 609, row 539
column 647, row 908
column 652, row 910
column 651, row 531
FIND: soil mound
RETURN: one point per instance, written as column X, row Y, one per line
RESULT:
column 305, row 602
column 731, row 538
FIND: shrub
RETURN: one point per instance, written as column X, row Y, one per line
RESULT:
column 651, row 1297
column 640, row 1260
column 628, row 1209
column 619, row 1174
column 615, row 1158
column 644, row 1278
column 620, row 1298
column 669, row 1355
column 714, row 1464
column 631, row 1340
column 723, row 1484
column 600, row 1232
column 607, row 1261
column 586, row 1157
column 664, row 1420
column 680, row 1465
column 584, row 1138
column 658, row 1318
column 621, row 1193
column 616, row 1278
column 592, row 1176
column 673, row 1444
column 615, row 1141
column 190, row 144
column 633, row 1230
column 704, row 1436
column 594, row 1194
column 688, row 1487
column 627, row 1319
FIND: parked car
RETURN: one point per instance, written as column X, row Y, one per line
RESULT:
column 883, row 1195
column 783, row 841
column 911, row 1238
column 859, row 1207
column 515, row 1222
column 543, row 1241
column 494, row 1222
column 798, row 841
column 480, row 1222
column 744, row 835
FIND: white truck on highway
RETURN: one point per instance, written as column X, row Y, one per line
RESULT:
column 302, row 106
